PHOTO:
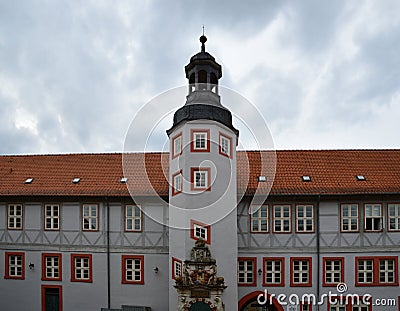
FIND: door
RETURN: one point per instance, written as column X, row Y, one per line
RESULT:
column 51, row 298
column 200, row 306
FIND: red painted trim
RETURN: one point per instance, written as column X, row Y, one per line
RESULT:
column 349, row 306
column 341, row 218
column 313, row 218
column 44, row 216
column 7, row 265
column 97, row 217
column 268, row 221
column 176, row 260
column 60, row 296
column 375, row 267
column 22, row 216
column 365, row 217
column 290, row 219
column 173, row 154
column 292, row 260
column 192, row 179
column 387, row 219
column 123, row 277
column 141, row 219
column 254, row 260
column 44, row 277
column 251, row 296
column 303, row 303
column 73, row 279
column 282, row 260
column 207, row 227
column 174, row 191
column 192, row 141
column 398, row 302
column 324, row 260
column 230, row 145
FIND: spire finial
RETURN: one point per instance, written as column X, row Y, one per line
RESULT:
column 203, row 39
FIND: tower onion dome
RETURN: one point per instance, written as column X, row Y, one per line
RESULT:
column 203, row 100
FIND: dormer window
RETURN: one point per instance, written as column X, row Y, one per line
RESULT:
column 200, row 140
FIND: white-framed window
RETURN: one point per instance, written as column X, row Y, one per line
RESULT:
column 90, row 217
column 200, row 179
column 259, row 219
column 52, row 217
column 176, row 268
column 365, row 271
column 333, row 271
column 282, row 218
column 81, row 270
column 133, row 218
column 304, row 218
column 177, row 182
column 273, row 271
column 247, row 271
column 15, row 214
column 387, row 271
column 337, row 306
column 373, row 217
column 394, row 216
column 51, row 267
column 177, row 145
column 200, row 140
column 199, row 230
column 349, row 215
column 225, row 145
column 15, row 262
column 301, row 272
column 133, row 269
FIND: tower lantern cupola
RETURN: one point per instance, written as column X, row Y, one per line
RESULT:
column 203, row 100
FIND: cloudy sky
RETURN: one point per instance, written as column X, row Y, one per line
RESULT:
column 323, row 74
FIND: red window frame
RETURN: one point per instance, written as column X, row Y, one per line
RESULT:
column 123, row 264
column 44, row 256
column 254, row 260
column 324, row 260
column 125, row 219
column 292, row 260
column 73, row 278
column 22, row 216
column 375, row 270
column 365, row 217
column 305, row 303
column 205, row 226
column 192, row 178
column 174, row 191
column 7, row 265
column 349, row 306
column 192, row 140
column 222, row 135
column 282, row 260
column 60, row 296
column 174, row 154
column 176, row 261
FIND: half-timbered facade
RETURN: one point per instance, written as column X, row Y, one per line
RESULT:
column 73, row 238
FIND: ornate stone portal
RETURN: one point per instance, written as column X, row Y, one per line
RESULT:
column 200, row 283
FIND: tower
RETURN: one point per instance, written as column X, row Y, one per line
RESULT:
column 203, row 193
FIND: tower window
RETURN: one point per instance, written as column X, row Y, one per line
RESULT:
column 200, row 141
column 200, row 178
column 199, row 231
column 177, row 183
column 177, row 145
column 225, row 145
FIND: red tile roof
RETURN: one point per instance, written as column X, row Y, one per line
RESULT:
column 331, row 172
